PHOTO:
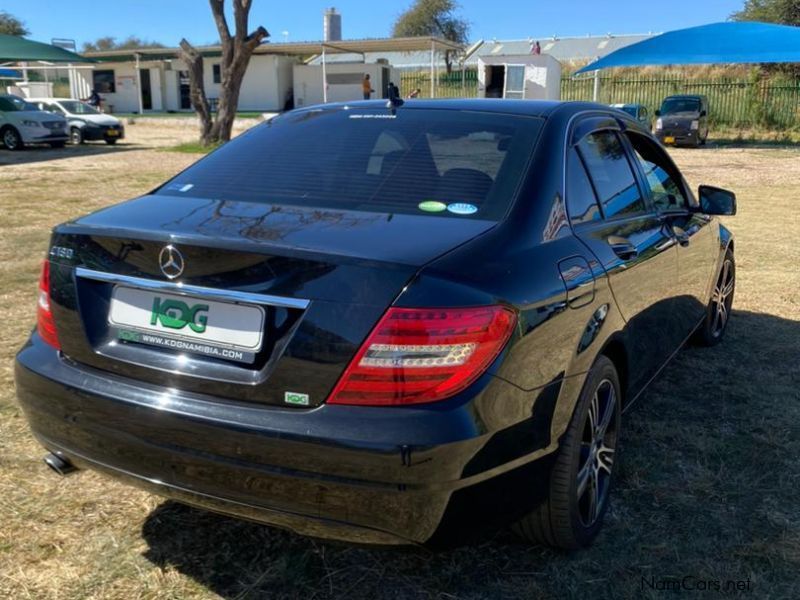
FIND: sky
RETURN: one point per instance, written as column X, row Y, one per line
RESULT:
column 166, row 21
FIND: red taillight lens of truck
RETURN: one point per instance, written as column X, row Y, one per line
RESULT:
column 417, row 355
column 45, row 324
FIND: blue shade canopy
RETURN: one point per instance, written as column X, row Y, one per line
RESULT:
column 9, row 74
column 717, row 43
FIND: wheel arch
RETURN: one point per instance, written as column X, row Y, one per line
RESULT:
column 616, row 351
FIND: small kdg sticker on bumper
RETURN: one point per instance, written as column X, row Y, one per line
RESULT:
column 296, row 399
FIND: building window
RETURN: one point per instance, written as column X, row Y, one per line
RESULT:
column 216, row 74
column 103, row 81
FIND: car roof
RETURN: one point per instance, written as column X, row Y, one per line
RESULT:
column 532, row 108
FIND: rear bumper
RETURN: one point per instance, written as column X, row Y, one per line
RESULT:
column 363, row 475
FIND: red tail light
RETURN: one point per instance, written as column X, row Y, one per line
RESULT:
column 417, row 355
column 45, row 324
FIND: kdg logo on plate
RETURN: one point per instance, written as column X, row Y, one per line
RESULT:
column 176, row 314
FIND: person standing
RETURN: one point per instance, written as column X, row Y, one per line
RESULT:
column 536, row 49
column 366, row 86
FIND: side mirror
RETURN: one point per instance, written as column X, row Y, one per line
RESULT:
column 716, row 201
column 657, row 113
column 703, row 113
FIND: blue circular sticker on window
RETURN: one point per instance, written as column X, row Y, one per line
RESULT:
column 462, row 208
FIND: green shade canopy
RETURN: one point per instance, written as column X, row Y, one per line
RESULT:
column 17, row 49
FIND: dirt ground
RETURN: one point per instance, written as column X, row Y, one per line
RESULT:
column 709, row 465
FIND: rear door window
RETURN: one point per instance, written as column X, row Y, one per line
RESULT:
column 611, row 173
column 463, row 164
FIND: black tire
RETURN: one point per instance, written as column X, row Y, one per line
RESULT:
column 111, row 142
column 57, row 144
column 718, row 311
column 568, row 519
column 76, row 136
column 11, row 139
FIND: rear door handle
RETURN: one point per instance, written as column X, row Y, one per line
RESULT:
column 623, row 247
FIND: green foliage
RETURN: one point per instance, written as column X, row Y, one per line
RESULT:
column 434, row 18
column 10, row 25
column 106, row 43
column 786, row 12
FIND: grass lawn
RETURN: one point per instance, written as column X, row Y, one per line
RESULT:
column 709, row 463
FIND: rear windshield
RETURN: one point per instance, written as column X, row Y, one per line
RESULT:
column 680, row 105
column 413, row 161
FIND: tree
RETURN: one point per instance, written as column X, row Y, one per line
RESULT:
column 10, row 25
column 786, row 12
column 236, row 52
column 433, row 18
column 106, row 43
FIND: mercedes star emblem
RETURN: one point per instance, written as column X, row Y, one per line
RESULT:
column 171, row 262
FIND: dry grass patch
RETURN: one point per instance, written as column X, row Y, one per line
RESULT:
column 709, row 466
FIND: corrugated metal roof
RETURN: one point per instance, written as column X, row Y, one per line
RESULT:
column 562, row 49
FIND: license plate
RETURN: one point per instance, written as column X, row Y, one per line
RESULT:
column 187, row 323
column 668, row 139
column 112, row 133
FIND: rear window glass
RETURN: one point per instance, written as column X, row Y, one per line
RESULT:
column 435, row 162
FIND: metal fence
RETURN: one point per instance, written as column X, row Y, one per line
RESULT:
column 736, row 102
column 448, row 85
column 732, row 101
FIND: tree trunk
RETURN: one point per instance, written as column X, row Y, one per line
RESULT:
column 236, row 52
column 197, row 90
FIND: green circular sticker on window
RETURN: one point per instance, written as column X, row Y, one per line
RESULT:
column 432, row 206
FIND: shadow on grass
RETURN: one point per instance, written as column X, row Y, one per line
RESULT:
column 34, row 154
column 706, row 490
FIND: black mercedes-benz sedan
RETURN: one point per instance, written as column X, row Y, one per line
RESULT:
column 382, row 324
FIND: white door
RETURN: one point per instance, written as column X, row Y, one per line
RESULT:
column 515, row 82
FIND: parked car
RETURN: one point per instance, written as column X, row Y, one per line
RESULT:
column 683, row 120
column 86, row 123
column 427, row 326
column 23, row 123
column 638, row 112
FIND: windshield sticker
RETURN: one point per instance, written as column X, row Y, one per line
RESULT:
column 432, row 206
column 462, row 208
column 181, row 187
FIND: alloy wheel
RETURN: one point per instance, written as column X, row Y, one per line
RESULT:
column 597, row 451
column 722, row 298
column 10, row 139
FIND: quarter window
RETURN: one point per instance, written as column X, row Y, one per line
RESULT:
column 662, row 178
column 581, row 200
column 611, row 174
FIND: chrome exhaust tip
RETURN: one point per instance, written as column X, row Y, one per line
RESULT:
column 58, row 464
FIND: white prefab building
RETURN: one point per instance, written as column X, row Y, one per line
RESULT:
column 155, row 79
column 344, row 82
column 164, row 83
column 529, row 76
